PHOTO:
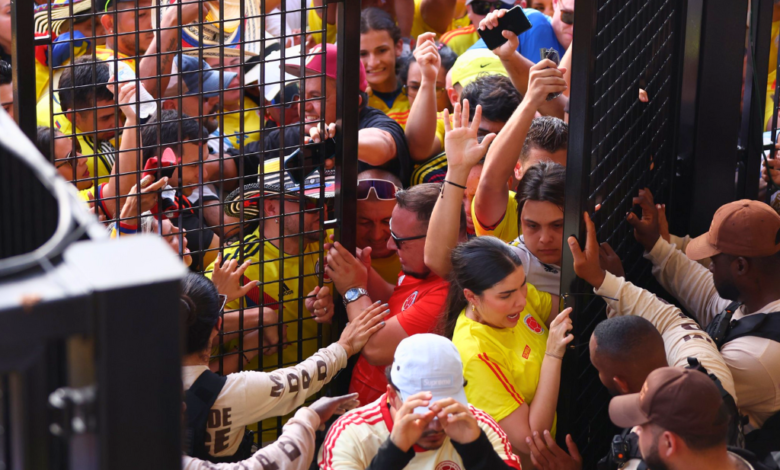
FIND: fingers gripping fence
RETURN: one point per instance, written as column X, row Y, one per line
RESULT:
column 213, row 95
column 618, row 145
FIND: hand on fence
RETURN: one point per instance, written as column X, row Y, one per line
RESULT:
column 559, row 334
column 587, row 263
column 227, row 277
column 544, row 78
column 170, row 234
column 457, row 420
column 148, row 197
column 508, row 49
column 427, row 56
column 357, row 332
column 647, row 230
column 271, row 339
column 460, row 140
column 320, row 303
column 326, row 407
column 547, row 455
column 318, row 134
column 610, row 261
column 663, row 223
column 345, row 270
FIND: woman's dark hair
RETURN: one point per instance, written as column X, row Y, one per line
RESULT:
column 374, row 19
column 448, row 58
column 43, row 140
column 477, row 265
column 200, row 306
column 544, row 181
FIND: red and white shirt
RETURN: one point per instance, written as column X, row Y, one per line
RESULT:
column 418, row 305
column 355, row 438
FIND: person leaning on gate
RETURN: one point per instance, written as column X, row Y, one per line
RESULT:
column 737, row 300
column 416, row 301
column 220, row 407
column 381, row 141
column 423, row 421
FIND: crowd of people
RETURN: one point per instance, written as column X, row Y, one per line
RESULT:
column 217, row 131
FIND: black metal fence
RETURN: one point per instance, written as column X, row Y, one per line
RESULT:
column 213, row 86
column 618, row 145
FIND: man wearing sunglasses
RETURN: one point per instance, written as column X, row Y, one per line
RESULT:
column 375, row 204
column 416, row 301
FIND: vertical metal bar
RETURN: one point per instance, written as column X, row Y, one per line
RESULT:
column 347, row 121
column 717, row 110
column 578, row 166
column 22, row 41
column 759, row 36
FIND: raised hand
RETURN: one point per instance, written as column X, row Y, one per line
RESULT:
column 148, row 198
column 320, row 303
column 345, row 270
column 460, row 140
column 427, row 56
column 544, row 78
column 546, row 455
column 506, row 50
column 647, row 230
column 326, row 407
column 586, row 263
column 358, row 331
column 559, row 335
column 227, row 277
column 456, row 419
column 610, row 261
column 409, row 426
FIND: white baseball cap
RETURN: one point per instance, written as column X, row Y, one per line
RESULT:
column 428, row 363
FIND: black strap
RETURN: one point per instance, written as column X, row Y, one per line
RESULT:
column 763, row 325
column 736, row 436
column 200, row 397
column 719, row 326
column 763, row 442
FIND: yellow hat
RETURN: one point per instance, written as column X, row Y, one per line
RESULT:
column 475, row 62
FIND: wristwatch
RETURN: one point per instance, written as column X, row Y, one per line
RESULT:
column 353, row 294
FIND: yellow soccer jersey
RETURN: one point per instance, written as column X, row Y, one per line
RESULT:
column 314, row 23
column 100, row 163
column 284, row 293
column 252, row 124
column 399, row 112
column 459, row 40
column 507, row 229
column 354, row 440
column 388, row 268
column 771, row 81
column 419, row 26
column 502, row 366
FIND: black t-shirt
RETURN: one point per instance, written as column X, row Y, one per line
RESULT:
column 369, row 118
column 188, row 217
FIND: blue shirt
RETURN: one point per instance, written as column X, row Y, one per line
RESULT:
column 541, row 35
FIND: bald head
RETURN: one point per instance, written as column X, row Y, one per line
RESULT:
column 625, row 350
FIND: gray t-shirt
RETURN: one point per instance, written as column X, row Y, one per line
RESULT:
column 545, row 277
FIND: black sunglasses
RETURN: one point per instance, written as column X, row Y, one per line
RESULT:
column 399, row 241
column 567, row 17
column 482, row 7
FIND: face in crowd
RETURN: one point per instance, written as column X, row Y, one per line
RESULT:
column 414, row 79
column 373, row 226
column 502, row 304
column 562, row 21
column 290, row 220
column 313, row 112
column 123, row 24
column 70, row 164
column 411, row 253
column 379, row 55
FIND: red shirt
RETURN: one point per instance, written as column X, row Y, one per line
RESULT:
column 418, row 305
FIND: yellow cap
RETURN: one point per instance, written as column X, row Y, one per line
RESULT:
column 475, row 62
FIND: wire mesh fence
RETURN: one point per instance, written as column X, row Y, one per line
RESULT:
column 209, row 105
column 628, row 78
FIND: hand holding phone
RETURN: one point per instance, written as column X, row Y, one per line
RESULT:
column 513, row 20
column 552, row 55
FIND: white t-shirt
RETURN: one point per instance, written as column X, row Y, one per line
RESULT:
column 545, row 277
column 249, row 397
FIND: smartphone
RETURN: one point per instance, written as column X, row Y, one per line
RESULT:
column 307, row 159
column 513, row 20
column 552, row 55
column 165, row 166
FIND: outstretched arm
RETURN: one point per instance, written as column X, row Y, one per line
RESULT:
column 421, row 125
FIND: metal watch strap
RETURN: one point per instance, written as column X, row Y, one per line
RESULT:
column 361, row 293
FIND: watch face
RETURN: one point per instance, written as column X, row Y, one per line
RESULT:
column 352, row 294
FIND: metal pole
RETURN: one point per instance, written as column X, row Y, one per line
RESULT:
column 23, row 38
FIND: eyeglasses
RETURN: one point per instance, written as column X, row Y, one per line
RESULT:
column 383, row 190
column 70, row 158
column 399, row 241
column 223, row 301
column 567, row 17
column 410, row 90
column 482, row 7
column 308, row 203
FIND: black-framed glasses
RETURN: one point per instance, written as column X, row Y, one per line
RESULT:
column 223, row 301
column 399, row 241
column 482, row 7
column 567, row 16
column 70, row 158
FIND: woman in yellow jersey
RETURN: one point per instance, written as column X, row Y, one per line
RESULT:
column 411, row 77
column 67, row 156
column 498, row 323
column 380, row 48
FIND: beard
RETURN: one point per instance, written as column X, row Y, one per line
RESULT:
column 653, row 458
column 727, row 290
column 416, row 275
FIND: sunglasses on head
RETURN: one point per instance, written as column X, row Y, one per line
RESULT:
column 482, row 7
column 567, row 17
column 383, row 190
